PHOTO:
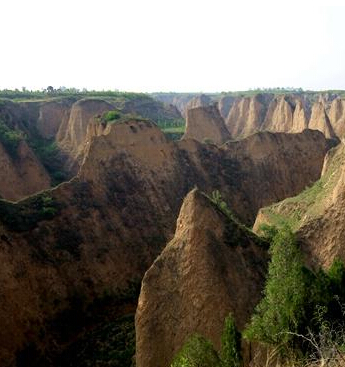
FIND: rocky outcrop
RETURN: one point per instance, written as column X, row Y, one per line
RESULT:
column 319, row 120
column 266, row 160
column 21, row 173
column 279, row 117
column 53, row 114
column 247, row 115
column 337, row 116
column 199, row 101
column 301, row 116
column 326, row 98
column 72, row 132
column 316, row 214
column 224, row 105
column 290, row 113
column 206, row 124
column 212, row 267
column 286, row 113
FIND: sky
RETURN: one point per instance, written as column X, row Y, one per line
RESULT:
column 180, row 45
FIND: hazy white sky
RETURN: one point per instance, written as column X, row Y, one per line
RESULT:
column 180, row 45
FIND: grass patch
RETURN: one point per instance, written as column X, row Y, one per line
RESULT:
column 174, row 130
column 116, row 117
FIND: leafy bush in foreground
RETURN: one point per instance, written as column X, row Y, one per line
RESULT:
column 199, row 352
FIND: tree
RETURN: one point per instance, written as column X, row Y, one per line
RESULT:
column 280, row 312
column 231, row 344
column 50, row 89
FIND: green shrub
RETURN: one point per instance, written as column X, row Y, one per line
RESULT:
column 197, row 352
column 281, row 311
column 231, row 344
column 207, row 141
column 111, row 116
column 10, row 138
column 49, row 155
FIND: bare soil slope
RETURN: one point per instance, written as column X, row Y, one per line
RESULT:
column 212, row 267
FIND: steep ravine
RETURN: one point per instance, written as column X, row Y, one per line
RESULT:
column 93, row 237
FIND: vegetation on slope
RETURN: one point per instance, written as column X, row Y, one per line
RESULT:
column 293, row 297
column 10, row 138
column 198, row 351
column 49, row 155
column 172, row 128
column 310, row 203
column 299, row 319
column 25, row 214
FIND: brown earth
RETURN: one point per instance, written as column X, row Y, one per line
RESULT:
column 72, row 132
column 201, row 100
column 316, row 214
column 224, row 105
column 151, row 109
column 319, row 120
column 52, row 115
column 22, row 174
column 247, row 115
column 212, row 267
column 65, row 122
column 337, row 116
column 279, row 117
column 206, row 124
column 97, row 234
column 286, row 113
column 266, row 162
column 300, row 117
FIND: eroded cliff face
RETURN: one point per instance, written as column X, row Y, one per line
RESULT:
column 337, row 116
column 301, row 116
column 201, row 100
column 206, row 124
column 319, row 120
column 212, row 267
column 286, row 113
column 21, row 173
column 316, row 214
column 290, row 113
column 224, row 105
column 267, row 160
column 52, row 115
column 279, row 117
column 247, row 115
column 95, row 235
column 151, row 109
column 72, row 132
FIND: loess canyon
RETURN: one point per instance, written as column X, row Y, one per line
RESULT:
column 118, row 240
